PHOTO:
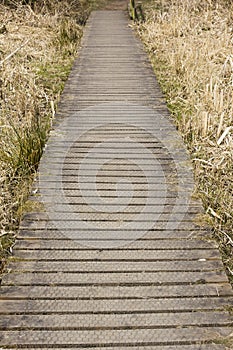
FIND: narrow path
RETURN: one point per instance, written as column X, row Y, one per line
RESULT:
column 112, row 257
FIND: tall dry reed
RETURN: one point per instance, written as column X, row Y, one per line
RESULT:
column 37, row 46
column 190, row 45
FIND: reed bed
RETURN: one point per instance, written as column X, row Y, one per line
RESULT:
column 38, row 42
column 190, row 45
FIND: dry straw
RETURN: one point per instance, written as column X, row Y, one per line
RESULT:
column 37, row 46
column 190, row 43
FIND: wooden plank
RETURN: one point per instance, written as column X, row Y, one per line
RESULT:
column 115, row 278
column 204, row 292
column 116, row 338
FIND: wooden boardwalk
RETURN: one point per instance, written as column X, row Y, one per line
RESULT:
column 112, row 257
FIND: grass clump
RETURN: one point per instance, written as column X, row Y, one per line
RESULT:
column 190, row 45
column 38, row 43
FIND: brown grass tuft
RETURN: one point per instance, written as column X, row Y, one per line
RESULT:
column 190, row 45
column 37, row 48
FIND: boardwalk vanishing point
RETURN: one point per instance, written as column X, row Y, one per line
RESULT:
column 112, row 257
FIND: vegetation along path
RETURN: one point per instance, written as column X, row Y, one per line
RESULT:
column 113, row 256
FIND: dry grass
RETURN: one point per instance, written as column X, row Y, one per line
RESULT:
column 37, row 48
column 190, row 43
column 38, row 43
